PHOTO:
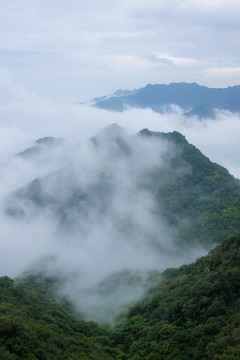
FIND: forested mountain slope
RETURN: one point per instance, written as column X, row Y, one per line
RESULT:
column 116, row 212
column 197, row 197
column 36, row 327
column 193, row 314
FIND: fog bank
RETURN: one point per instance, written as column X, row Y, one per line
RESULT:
column 82, row 211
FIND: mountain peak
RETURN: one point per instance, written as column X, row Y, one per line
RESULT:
column 114, row 130
column 47, row 142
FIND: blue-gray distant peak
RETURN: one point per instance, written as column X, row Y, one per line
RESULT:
column 193, row 98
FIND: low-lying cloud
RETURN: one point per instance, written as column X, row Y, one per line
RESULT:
column 83, row 211
column 25, row 116
column 110, row 221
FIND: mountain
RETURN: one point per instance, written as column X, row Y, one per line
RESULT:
column 139, row 203
column 34, row 326
column 199, row 200
column 116, row 216
column 195, row 99
column 198, row 197
column 193, row 312
column 118, row 93
column 46, row 143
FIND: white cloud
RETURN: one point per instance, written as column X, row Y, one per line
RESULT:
column 180, row 61
column 111, row 228
column 63, row 50
column 25, row 116
column 232, row 72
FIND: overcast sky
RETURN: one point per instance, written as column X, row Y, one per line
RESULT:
column 56, row 53
column 77, row 49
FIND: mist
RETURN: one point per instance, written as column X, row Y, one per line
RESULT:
column 26, row 116
column 81, row 210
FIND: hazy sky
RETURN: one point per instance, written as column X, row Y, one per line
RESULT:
column 76, row 49
column 55, row 53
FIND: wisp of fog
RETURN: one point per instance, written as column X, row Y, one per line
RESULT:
column 83, row 212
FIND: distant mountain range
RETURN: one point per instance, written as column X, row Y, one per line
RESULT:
column 196, row 100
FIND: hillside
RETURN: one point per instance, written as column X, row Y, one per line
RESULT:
column 34, row 327
column 199, row 198
column 193, row 313
column 195, row 99
column 117, row 211
column 194, row 197
column 123, row 209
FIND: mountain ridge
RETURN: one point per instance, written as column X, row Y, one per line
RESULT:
column 193, row 98
column 196, row 185
column 191, row 312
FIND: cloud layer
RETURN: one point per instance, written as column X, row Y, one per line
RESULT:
column 83, row 211
column 76, row 50
column 25, row 116
column 95, row 249
column 56, row 53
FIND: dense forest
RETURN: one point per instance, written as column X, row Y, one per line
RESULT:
column 184, row 313
column 199, row 198
column 193, row 313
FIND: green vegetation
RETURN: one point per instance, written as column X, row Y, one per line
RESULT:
column 114, row 295
column 189, row 313
column 35, row 327
column 198, row 198
column 194, row 313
